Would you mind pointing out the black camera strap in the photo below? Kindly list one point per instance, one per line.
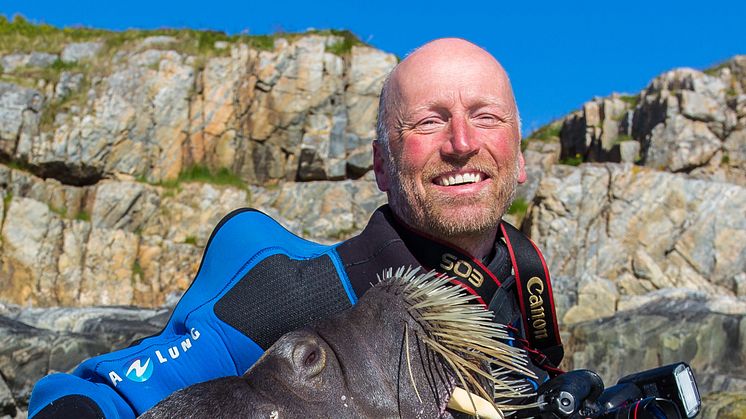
(532, 282)
(444, 258)
(534, 295)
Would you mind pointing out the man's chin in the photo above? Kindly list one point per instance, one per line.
(461, 220)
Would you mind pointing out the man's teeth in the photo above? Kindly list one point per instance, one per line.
(460, 179)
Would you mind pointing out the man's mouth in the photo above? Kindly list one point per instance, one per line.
(455, 179)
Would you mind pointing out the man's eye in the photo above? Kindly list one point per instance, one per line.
(487, 119)
(429, 123)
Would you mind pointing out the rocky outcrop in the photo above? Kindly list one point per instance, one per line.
(149, 111)
(38, 342)
(614, 232)
(667, 326)
(684, 121)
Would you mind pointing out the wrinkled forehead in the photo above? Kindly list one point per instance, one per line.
(451, 73)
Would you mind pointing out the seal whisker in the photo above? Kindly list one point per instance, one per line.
(409, 362)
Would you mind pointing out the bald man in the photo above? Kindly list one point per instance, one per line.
(448, 157)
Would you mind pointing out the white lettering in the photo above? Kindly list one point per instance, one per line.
(161, 359)
(173, 352)
(461, 272)
(195, 334)
(186, 344)
(115, 378)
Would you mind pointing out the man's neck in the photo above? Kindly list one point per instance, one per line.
(479, 246)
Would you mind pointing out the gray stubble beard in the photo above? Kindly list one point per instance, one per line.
(422, 215)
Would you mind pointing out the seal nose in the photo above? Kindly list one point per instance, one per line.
(309, 357)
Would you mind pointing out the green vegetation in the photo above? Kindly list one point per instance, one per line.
(20, 35)
(62, 212)
(62, 105)
(547, 132)
(191, 240)
(518, 207)
(344, 46)
(622, 138)
(725, 159)
(715, 71)
(18, 165)
(203, 174)
(6, 201)
(631, 100)
(82, 215)
(137, 269)
(222, 176)
(572, 160)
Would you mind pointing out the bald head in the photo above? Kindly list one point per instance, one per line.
(453, 61)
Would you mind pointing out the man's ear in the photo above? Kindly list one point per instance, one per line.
(522, 176)
(380, 166)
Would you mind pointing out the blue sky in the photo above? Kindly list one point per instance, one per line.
(558, 54)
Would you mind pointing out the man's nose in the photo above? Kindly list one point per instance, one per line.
(461, 142)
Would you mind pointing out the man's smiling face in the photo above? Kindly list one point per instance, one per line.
(454, 143)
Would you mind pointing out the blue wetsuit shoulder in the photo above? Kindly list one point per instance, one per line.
(196, 344)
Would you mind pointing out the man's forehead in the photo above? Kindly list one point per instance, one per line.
(451, 67)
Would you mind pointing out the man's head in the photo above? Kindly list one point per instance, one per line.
(448, 149)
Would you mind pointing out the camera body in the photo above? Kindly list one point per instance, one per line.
(665, 392)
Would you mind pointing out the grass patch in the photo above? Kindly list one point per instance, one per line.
(21, 35)
(622, 138)
(547, 132)
(55, 107)
(572, 160)
(137, 269)
(62, 212)
(82, 215)
(519, 206)
(200, 173)
(191, 240)
(715, 71)
(343, 46)
(18, 165)
(631, 100)
(6, 201)
(725, 159)
(222, 176)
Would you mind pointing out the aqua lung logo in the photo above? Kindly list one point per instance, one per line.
(140, 369)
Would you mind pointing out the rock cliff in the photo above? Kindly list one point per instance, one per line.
(121, 151)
